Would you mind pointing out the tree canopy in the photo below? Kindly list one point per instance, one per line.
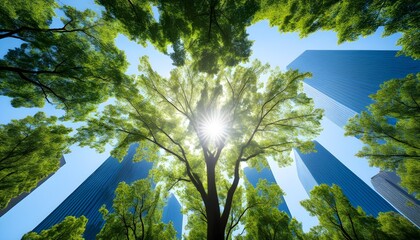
(73, 64)
(397, 227)
(193, 27)
(70, 228)
(196, 28)
(349, 18)
(338, 219)
(390, 129)
(337, 216)
(263, 219)
(137, 214)
(171, 114)
(30, 150)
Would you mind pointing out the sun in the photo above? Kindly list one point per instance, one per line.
(213, 128)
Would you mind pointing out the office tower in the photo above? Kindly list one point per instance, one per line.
(253, 176)
(388, 185)
(98, 189)
(342, 81)
(19, 198)
(341, 84)
(172, 213)
(322, 167)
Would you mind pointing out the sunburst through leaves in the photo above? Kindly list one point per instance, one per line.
(213, 128)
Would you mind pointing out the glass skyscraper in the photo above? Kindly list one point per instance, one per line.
(343, 80)
(322, 167)
(172, 213)
(388, 185)
(99, 188)
(341, 84)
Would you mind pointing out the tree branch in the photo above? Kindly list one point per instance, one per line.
(193, 177)
(12, 32)
(177, 181)
(43, 88)
(232, 226)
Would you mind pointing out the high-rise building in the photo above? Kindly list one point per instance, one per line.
(19, 198)
(342, 81)
(322, 167)
(172, 213)
(341, 84)
(388, 185)
(98, 189)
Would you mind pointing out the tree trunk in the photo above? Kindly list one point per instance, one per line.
(215, 230)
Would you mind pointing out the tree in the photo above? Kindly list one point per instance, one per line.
(340, 220)
(178, 115)
(318, 233)
(70, 228)
(137, 214)
(390, 129)
(196, 27)
(193, 207)
(264, 220)
(255, 210)
(30, 150)
(336, 214)
(73, 66)
(397, 227)
(349, 18)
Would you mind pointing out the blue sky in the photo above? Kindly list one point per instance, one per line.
(269, 47)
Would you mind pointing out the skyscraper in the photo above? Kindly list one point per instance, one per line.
(322, 167)
(341, 84)
(19, 198)
(388, 185)
(98, 189)
(343, 80)
(172, 213)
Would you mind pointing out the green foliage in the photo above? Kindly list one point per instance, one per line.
(193, 207)
(194, 27)
(137, 214)
(254, 209)
(74, 66)
(30, 150)
(391, 129)
(168, 114)
(137, 19)
(340, 220)
(22, 13)
(336, 215)
(349, 18)
(397, 227)
(71, 228)
(263, 219)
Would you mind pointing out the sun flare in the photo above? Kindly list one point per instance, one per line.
(213, 128)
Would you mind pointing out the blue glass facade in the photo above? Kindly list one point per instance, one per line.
(343, 80)
(341, 84)
(388, 185)
(98, 189)
(322, 167)
(172, 213)
(253, 176)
